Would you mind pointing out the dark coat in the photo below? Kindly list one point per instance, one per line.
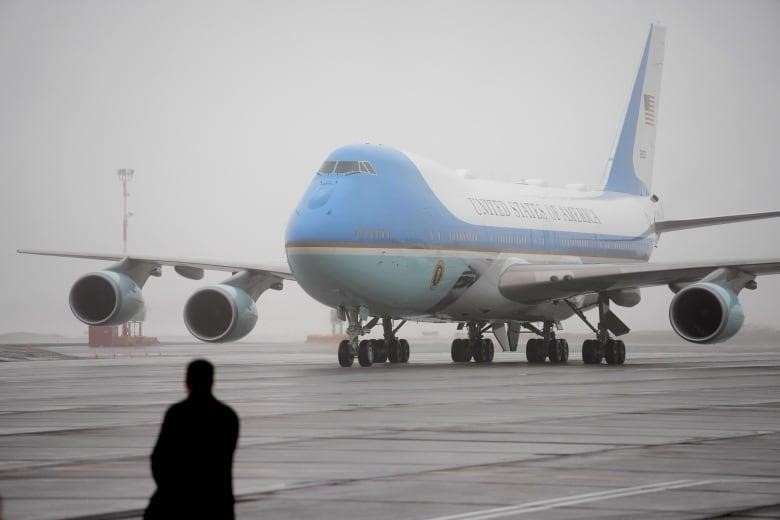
(192, 462)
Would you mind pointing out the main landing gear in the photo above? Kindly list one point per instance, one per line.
(370, 351)
(603, 347)
(546, 347)
(475, 347)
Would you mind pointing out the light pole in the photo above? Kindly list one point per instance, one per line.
(125, 175)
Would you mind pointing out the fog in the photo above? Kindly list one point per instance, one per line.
(225, 110)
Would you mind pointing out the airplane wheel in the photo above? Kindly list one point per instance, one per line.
(564, 350)
(393, 351)
(615, 353)
(591, 352)
(345, 354)
(490, 350)
(621, 349)
(404, 351)
(462, 350)
(477, 350)
(380, 352)
(458, 352)
(366, 353)
(554, 349)
(468, 350)
(535, 350)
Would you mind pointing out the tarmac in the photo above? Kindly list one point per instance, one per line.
(680, 431)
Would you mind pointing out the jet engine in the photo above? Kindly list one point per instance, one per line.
(220, 313)
(105, 298)
(705, 312)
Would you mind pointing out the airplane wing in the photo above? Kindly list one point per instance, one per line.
(188, 268)
(664, 226)
(526, 283)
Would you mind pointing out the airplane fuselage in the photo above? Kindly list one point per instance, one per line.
(402, 236)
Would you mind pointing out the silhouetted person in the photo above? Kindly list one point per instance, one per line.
(192, 462)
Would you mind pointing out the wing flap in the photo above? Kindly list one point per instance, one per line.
(525, 283)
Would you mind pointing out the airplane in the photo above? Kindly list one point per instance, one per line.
(385, 236)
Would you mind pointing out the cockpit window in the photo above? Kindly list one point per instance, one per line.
(327, 167)
(365, 167)
(346, 168)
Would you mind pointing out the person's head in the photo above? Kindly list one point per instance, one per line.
(200, 377)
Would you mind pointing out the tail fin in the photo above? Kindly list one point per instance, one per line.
(630, 169)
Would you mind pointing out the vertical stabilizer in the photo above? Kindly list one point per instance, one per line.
(630, 169)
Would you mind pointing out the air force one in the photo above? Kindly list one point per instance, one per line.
(385, 236)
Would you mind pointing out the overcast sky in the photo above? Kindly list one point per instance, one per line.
(225, 110)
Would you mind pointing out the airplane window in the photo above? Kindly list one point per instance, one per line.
(368, 167)
(347, 167)
(327, 167)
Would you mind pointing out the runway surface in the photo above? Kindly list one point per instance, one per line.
(680, 431)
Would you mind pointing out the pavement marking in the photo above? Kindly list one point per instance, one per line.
(541, 505)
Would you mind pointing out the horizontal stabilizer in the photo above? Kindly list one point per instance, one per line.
(676, 225)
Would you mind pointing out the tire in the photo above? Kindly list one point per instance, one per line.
(380, 352)
(468, 350)
(366, 353)
(615, 353)
(591, 352)
(345, 354)
(394, 351)
(477, 350)
(535, 351)
(491, 351)
(458, 351)
(541, 350)
(404, 350)
(554, 350)
(621, 348)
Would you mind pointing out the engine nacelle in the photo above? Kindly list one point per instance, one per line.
(220, 313)
(105, 298)
(706, 313)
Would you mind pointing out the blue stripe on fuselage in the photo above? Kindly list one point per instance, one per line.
(396, 209)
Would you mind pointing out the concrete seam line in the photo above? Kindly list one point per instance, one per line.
(530, 507)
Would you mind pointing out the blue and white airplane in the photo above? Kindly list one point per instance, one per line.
(385, 236)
